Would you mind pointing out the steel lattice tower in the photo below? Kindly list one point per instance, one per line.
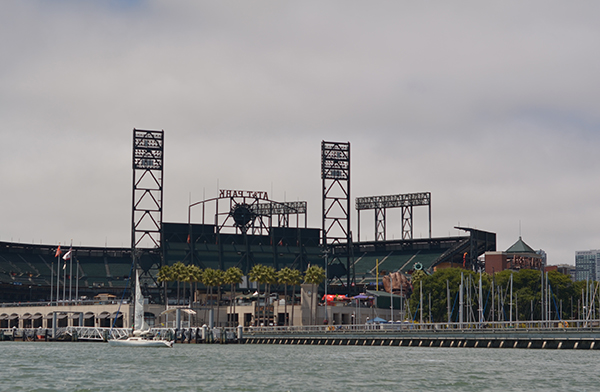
(147, 200)
(381, 203)
(335, 174)
(147, 188)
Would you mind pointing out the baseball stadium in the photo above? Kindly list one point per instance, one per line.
(238, 228)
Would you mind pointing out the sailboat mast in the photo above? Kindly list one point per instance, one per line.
(448, 299)
(70, 271)
(460, 300)
(57, 279)
(480, 299)
(511, 299)
(77, 281)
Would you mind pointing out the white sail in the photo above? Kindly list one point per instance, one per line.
(138, 310)
(141, 331)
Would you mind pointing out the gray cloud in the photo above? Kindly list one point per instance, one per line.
(490, 106)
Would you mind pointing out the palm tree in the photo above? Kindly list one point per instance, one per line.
(233, 276)
(314, 275)
(219, 278)
(284, 277)
(257, 274)
(195, 276)
(186, 277)
(209, 280)
(270, 279)
(191, 276)
(295, 279)
(179, 272)
(165, 275)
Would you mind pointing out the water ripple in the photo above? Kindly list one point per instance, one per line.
(246, 368)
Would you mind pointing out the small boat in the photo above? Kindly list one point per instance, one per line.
(140, 341)
(142, 337)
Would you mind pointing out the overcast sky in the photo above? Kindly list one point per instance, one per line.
(490, 106)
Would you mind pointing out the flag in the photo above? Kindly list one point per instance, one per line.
(65, 265)
(188, 240)
(67, 255)
(58, 252)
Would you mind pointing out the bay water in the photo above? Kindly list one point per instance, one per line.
(65, 366)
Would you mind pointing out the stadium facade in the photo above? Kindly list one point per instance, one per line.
(239, 228)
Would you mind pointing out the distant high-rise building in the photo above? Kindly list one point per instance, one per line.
(543, 255)
(587, 264)
(567, 269)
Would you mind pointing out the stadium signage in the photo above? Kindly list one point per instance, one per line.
(236, 193)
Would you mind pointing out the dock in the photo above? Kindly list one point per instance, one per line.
(476, 338)
(531, 335)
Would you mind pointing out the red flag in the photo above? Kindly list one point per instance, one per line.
(464, 259)
(67, 255)
(58, 252)
(188, 239)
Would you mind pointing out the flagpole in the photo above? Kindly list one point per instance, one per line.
(70, 271)
(57, 255)
(64, 280)
(57, 279)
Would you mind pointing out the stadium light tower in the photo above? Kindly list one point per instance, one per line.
(335, 174)
(146, 219)
(381, 203)
(147, 249)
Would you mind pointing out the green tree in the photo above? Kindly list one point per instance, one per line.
(179, 271)
(186, 277)
(579, 290)
(233, 276)
(435, 286)
(417, 276)
(219, 279)
(296, 279)
(284, 277)
(194, 277)
(210, 279)
(314, 276)
(270, 278)
(527, 293)
(526, 299)
(165, 275)
(258, 274)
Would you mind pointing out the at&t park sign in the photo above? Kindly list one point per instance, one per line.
(236, 193)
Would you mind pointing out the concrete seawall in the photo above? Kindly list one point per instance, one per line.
(499, 338)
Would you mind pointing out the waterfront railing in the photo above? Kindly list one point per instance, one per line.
(60, 303)
(577, 329)
(411, 326)
(100, 333)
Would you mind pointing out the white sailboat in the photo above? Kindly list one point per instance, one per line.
(142, 336)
